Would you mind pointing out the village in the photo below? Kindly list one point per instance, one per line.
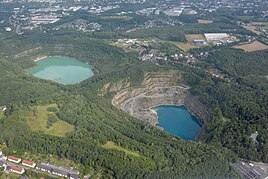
(147, 52)
(19, 166)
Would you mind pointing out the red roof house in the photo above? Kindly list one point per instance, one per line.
(13, 159)
(17, 169)
(28, 163)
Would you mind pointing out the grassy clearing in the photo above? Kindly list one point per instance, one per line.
(245, 18)
(127, 18)
(10, 176)
(186, 46)
(191, 37)
(37, 120)
(252, 47)
(111, 145)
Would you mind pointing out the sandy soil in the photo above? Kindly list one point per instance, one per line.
(203, 21)
(255, 46)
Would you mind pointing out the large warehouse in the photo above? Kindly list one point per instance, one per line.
(216, 36)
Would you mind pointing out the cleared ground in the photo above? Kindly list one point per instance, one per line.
(252, 29)
(191, 37)
(203, 21)
(37, 120)
(116, 18)
(111, 145)
(255, 46)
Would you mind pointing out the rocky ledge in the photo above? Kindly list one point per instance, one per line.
(161, 88)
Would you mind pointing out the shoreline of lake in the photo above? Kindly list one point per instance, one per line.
(194, 121)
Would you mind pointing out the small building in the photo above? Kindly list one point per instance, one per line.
(254, 136)
(3, 108)
(1, 153)
(73, 176)
(28, 163)
(44, 168)
(17, 169)
(2, 163)
(216, 36)
(249, 171)
(13, 159)
(200, 42)
(60, 172)
(8, 29)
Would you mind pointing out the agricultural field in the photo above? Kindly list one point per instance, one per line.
(38, 120)
(111, 145)
(255, 46)
(191, 37)
(203, 21)
(250, 28)
(186, 46)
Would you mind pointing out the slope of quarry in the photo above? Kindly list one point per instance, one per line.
(157, 88)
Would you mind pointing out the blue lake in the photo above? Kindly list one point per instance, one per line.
(62, 70)
(178, 121)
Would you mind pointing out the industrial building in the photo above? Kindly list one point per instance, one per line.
(216, 36)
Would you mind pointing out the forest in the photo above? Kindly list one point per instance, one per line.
(239, 106)
(96, 121)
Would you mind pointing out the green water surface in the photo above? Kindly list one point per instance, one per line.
(62, 70)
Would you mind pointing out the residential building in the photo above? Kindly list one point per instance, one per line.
(13, 159)
(44, 168)
(28, 163)
(60, 173)
(73, 176)
(2, 163)
(17, 169)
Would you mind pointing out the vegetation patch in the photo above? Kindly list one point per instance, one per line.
(252, 47)
(1, 114)
(44, 118)
(111, 145)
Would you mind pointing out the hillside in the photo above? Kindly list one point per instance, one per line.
(96, 122)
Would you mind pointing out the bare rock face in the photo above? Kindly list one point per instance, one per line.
(161, 88)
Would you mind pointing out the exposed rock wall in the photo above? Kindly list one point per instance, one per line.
(156, 89)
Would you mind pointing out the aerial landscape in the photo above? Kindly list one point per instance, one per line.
(133, 89)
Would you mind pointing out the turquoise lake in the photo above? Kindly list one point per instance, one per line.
(178, 121)
(62, 70)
